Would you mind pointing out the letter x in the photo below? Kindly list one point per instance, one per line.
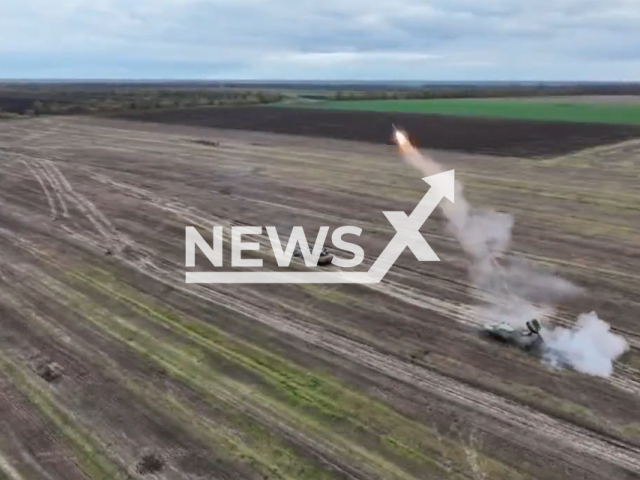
(408, 235)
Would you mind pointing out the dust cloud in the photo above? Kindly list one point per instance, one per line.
(515, 290)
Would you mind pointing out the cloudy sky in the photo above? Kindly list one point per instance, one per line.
(321, 39)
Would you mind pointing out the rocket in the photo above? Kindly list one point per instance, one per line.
(401, 140)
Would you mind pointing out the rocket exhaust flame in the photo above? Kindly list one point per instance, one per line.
(514, 290)
(401, 138)
(404, 145)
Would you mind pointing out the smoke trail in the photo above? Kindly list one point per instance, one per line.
(484, 236)
(515, 290)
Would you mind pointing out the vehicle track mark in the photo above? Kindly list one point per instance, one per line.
(52, 205)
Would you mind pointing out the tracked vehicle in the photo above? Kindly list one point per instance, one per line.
(324, 259)
(527, 339)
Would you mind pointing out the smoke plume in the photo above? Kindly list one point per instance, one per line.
(589, 347)
(515, 290)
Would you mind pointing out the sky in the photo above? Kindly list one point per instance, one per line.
(437, 40)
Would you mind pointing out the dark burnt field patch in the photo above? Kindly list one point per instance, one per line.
(527, 139)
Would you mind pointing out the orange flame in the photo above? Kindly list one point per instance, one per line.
(403, 142)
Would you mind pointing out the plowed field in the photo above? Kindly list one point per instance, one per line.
(504, 137)
(389, 381)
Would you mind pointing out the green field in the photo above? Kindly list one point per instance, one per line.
(566, 111)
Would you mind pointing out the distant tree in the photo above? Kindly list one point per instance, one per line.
(252, 98)
(202, 100)
(166, 103)
(262, 97)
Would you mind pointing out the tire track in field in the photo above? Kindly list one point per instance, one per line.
(266, 412)
(572, 436)
(52, 205)
(28, 458)
(62, 188)
(101, 223)
(465, 314)
(623, 378)
(60, 338)
(53, 181)
(440, 307)
(88, 209)
(519, 416)
(47, 131)
(526, 419)
(8, 469)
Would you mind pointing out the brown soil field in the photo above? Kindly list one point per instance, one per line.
(150, 377)
(503, 137)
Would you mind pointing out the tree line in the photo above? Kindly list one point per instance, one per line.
(64, 102)
(542, 90)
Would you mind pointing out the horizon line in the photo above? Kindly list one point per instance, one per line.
(294, 81)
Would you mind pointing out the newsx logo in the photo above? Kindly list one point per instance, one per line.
(283, 255)
(407, 236)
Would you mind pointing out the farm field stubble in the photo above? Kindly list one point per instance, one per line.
(284, 381)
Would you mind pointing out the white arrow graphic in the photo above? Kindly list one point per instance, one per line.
(408, 228)
(407, 236)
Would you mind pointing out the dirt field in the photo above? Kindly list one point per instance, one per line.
(529, 139)
(113, 367)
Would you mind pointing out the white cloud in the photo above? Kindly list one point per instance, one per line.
(341, 58)
(492, 39)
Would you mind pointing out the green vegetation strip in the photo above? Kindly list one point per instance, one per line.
(296, 402)
(538, 398)
(317, 404)
(87, 450)
(224, 440)
(378, 421)
(238, 437)
(513, 109)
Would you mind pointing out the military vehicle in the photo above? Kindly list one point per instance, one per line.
(324, 259)
(528, 339)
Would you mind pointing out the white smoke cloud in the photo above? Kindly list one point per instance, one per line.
(590, 347)
(516, 291)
